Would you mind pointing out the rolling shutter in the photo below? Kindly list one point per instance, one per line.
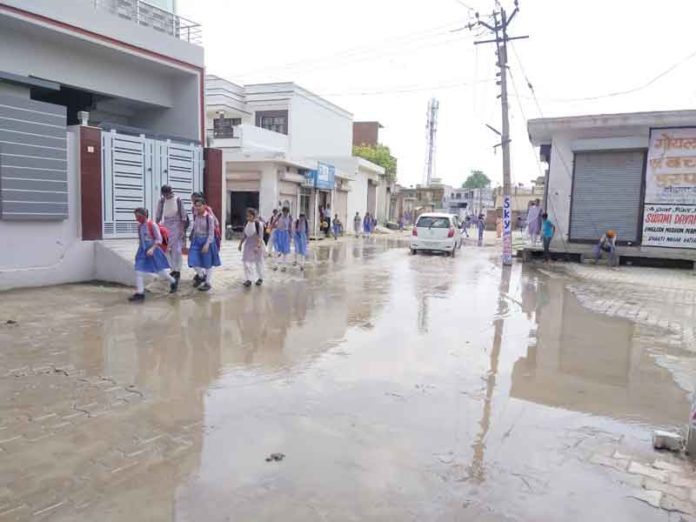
(33, 160)
(606, 194)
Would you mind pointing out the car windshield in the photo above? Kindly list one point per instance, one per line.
(433, 222)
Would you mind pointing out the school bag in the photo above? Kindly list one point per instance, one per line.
(163, 232)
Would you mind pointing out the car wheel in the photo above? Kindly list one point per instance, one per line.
(413, 251)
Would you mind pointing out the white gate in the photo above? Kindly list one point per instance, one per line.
(134, 168)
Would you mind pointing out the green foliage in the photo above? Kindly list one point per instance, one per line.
(380, 155)
(477, 179)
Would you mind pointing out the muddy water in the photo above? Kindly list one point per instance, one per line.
(395, 388)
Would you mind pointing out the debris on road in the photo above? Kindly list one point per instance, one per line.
(667, 440)
(275, 457)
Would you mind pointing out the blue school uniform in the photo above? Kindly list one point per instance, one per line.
(203, 232)
(281, 236)
(301, 230)
(158, 260)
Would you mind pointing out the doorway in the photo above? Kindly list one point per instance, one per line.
(238, 203)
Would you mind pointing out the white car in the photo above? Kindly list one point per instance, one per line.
(436, 232)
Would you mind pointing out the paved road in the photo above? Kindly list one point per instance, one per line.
(389, 387)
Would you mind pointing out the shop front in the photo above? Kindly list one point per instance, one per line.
(321, 182)
(634, 174)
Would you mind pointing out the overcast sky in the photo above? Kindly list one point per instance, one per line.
(383, 59)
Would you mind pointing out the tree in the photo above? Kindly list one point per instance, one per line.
(380, 155)
(477, 179)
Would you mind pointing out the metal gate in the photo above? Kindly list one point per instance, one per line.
(606, 194)
(134, 168)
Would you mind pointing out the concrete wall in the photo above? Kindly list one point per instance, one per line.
(50, 252)
(357, 197)
(81, 13)
(318, 130)
(163, 96)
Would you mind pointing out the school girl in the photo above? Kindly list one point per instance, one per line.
(203, 254)
(281, 236)
(150, 258)
(301, 233)
(253, 248)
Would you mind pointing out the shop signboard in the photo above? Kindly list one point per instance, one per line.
(669, 214)
(323, 178)
(507, 230)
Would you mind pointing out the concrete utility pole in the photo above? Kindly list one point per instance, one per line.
(498, 28)
(430, 134)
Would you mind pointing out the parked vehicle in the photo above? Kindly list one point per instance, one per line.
(436, 232)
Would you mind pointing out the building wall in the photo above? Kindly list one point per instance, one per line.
(316, 130)
(81, 13)
(48, 252)
(365, 133)
(357, 197)
(155, 94)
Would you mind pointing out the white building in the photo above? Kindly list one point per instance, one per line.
(463, 201)
(132, 74)
(632, 173)
(275, 138)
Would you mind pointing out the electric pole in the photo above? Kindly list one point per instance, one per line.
(499, 28)
(430, 140)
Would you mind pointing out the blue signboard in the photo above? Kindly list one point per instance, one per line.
(324, 178)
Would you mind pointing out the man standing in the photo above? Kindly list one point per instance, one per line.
(357, 222)
(533, 224)
(172, 215)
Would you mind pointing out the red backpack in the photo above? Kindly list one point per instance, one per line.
(163, 232)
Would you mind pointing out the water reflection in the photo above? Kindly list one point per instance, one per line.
(592, 363)
(476, 470)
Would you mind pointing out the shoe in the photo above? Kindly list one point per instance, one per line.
(176, 275)
(204, 287)
(137, 298)
(247, 283)
(275, 268)
(197, 280)
(283, 269)
(301, 269)
(259, 282)
(173, 287)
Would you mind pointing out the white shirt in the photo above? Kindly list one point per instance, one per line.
(170, 209)
(250, 229)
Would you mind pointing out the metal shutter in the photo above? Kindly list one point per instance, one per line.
(606, 194)
(33, 160)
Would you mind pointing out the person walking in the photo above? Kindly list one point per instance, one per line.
(203, 255)
(367, 225)
(150, 258)
(281, 235)
(253, 248)
(481, 225)
(327, 219)
(172, 215)
(301, 233)
(270, 228)
(357, 222)
(336, 227)
(533, 221)
(548, 229)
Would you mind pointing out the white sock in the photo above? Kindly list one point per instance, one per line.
(140, 283)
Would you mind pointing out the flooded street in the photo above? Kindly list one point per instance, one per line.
(390, 386)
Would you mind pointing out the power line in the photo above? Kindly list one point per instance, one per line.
(632, 90)
(408, 89)
(399, 44)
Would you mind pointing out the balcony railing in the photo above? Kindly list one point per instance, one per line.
(152, 16)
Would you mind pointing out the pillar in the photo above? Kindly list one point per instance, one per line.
(90, 183)
(212, 181)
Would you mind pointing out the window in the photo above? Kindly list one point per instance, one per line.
(276, 121)
(433, 222)
(224, 127)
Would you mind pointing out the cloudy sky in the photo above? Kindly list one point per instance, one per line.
(384, 59)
